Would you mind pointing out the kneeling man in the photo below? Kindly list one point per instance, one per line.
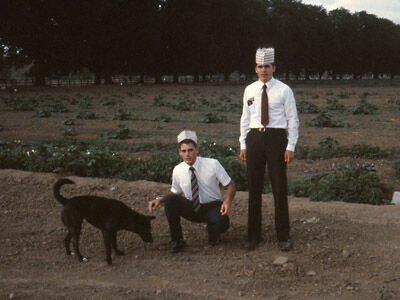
(197, 178)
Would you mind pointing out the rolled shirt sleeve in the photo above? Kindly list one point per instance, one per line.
(175, 187)
(222, 175)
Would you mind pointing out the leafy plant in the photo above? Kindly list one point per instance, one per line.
(123, 132)
(364, 108)
(163, 118)
(324, 120)
(111, 102)
(329, 148)
(57, 106)
(68, 121)
(213, 149)
(329, 93)
(306, 107)
(334, 104)
(225, 99)
(184, 105)
(122, 115)
(157, 101)
(21, 103)
(352, 183)
(68, 131)
(212, 117)
(230, 107)
(42, 113)
(344, 94)
(87, 115)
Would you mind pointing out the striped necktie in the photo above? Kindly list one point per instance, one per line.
(195, 191)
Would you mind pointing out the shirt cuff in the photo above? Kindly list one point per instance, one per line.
(291, 147)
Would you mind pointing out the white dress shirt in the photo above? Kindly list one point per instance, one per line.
(282, 110)
(209, 173)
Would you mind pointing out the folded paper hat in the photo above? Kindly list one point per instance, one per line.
(187, 135)
(265, 56)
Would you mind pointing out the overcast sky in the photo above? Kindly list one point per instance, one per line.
(388, 9)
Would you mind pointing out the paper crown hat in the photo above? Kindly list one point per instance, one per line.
(187, 135)
(265, 56)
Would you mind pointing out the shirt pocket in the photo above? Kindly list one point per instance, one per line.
(275, 104)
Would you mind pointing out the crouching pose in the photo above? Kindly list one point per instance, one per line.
(198, 179)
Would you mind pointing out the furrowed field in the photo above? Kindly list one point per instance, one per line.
(125, 138)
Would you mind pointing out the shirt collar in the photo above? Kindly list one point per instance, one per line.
(269, 83)
(195, 165)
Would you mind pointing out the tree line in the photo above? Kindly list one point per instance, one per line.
(198, 37)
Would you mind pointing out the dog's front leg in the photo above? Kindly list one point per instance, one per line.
(107, 244)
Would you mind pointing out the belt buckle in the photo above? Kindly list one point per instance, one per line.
(263, 129)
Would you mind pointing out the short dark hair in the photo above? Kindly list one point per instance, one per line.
(272, 64)
(187, 141)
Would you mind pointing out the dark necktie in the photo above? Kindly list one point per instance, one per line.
(195, 191)
(264, 107)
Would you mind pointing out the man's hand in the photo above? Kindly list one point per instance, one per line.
(289, 156)
(242, 154)
(154, 204)
(226, 207)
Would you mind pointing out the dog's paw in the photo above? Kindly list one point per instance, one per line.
(85, 259)
(72, 253)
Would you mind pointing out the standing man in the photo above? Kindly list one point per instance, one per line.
(268, 135)
(198, 179)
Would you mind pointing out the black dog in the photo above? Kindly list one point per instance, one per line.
(106, 214)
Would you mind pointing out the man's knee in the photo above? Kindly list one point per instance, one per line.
(171, 203)
(220, 224)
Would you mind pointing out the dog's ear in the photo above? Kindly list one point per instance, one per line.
(151, 217)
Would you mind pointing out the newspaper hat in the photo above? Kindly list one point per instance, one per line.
(265, 56)
(187, 135)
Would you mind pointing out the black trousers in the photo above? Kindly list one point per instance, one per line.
(267, 148)
(177, 206)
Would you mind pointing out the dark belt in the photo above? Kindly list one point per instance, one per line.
(265, 129)
(212, 203)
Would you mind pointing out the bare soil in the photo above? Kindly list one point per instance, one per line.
(342, 251)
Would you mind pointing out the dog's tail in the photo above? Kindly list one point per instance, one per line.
(57, 187)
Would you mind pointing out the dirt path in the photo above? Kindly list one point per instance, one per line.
(342, 251)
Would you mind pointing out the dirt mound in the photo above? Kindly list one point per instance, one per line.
(342, 251)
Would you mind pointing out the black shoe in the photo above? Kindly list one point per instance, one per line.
(286, 245)
(177, 246)
(251, 245)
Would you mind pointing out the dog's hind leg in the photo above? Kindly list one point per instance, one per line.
(107, 236)
(114, 244)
